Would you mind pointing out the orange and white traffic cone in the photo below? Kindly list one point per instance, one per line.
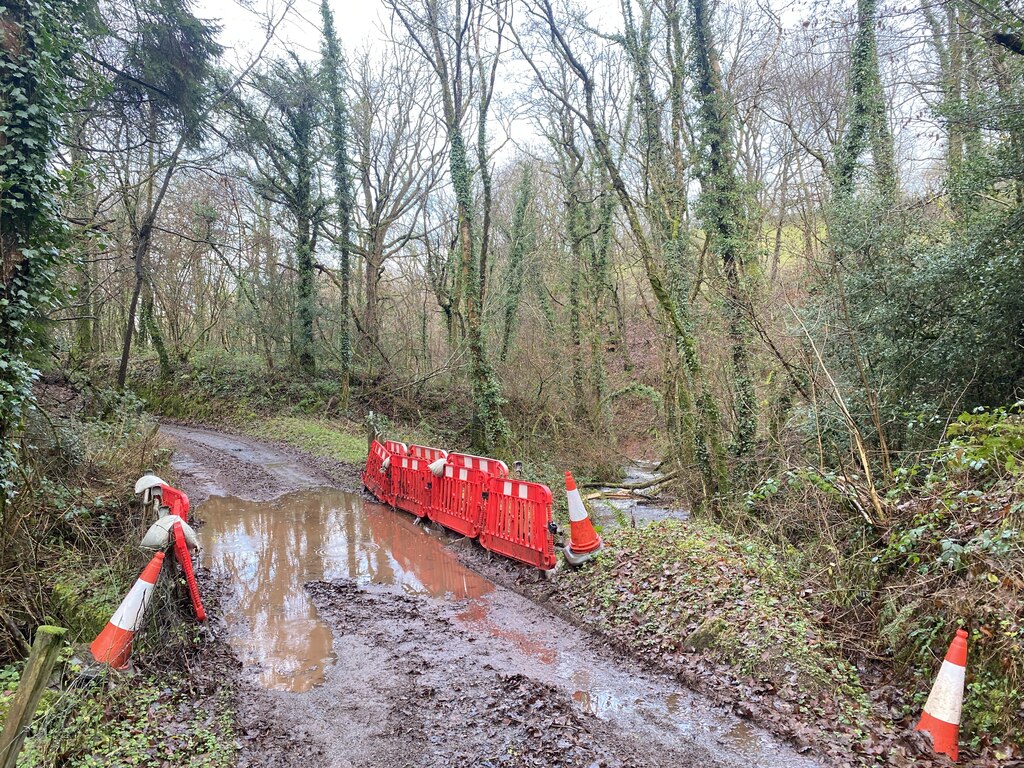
(941, 716)
(113, 645)
(584, 541)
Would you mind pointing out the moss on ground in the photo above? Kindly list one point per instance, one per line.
(84, 597)
(674, 587)
(333, 439)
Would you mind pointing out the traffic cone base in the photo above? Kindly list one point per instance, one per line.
(583, 539)
(941, 716)
(113, 645)
(579, 558)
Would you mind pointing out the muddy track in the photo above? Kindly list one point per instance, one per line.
(493, 681)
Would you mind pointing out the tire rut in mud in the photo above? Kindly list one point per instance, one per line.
(454, 710)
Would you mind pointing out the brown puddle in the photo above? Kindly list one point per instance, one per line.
(268, 550)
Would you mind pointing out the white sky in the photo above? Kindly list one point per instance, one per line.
(359, 22)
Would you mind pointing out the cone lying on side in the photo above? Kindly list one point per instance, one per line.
(113, 645)
(941, 716)
(584, 541)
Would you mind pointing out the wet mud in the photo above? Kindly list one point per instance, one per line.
(363, 641)
(268, 551)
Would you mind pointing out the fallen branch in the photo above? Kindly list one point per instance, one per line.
(16, 635)
(619, 496)
(638, 486)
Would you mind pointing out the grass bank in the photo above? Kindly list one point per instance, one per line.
(70, 552)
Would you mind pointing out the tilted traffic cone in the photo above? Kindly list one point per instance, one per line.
(184, 558)
(584, 541)
(113, 645)
(941, 716)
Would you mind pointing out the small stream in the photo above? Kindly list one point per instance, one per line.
(632, 510)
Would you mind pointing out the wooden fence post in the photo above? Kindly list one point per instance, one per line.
(34, 678)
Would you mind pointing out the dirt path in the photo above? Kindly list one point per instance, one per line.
(417, 680)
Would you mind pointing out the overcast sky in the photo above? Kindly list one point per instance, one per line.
(359, 22)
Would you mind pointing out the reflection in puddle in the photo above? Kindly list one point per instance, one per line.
(593, 698)
(530, 646)
(268, 550)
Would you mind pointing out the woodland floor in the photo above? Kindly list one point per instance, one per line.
(498, 681)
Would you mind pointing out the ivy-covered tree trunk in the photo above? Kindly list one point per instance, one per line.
(35, 47)
(867, 125)
(489, 427)
(150, 325)
(335, 70)
(693, 415)
(521, 237)
(724, 215)
(443, 38)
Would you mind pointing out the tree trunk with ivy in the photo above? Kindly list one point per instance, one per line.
(724, 215)
(35, 47)
(445, 44)
(521, 236)
(335, 70)
(153, 329)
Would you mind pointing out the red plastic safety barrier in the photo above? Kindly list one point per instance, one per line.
(184, 558)
(411, 484)
(517, 521)
(457, 501)
(490, 467)
(430, 455)
(176, 500)
(396, 448)
(376, 482)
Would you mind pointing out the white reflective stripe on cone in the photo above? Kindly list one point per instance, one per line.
(946, 698)
(129, 614)
(577, 511)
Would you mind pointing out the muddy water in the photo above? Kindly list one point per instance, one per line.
(268, 550)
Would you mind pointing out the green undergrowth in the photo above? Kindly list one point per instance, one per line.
(950, 556)
(74, 553)
(70, 560)
(236, 389)
(677, 587)
(320, 437)
(131, 721)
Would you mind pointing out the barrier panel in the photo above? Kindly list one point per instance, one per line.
(396, 448)
(376, 482)
(516, 524)
(490, 467)
(411, 484)
(175, 500)
(430, 455)
(457, 501)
